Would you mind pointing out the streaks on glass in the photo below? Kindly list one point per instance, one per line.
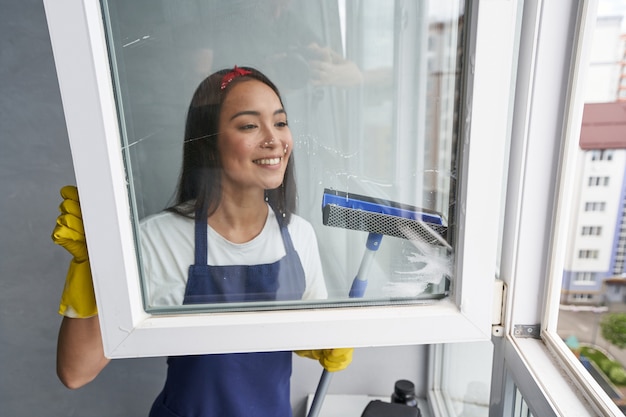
(423, 267)
(136, 41)
(138, 141)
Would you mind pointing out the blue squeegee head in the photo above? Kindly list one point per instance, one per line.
(356, 212)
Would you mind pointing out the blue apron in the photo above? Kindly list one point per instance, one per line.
(239, 384)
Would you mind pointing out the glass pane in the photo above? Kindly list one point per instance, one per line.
(372, 92)
(466, 378)
(592, 318)
(520, 407)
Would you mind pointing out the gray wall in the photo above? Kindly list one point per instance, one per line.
(35, 162)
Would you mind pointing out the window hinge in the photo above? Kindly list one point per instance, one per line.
(527, 330)
(499, 299)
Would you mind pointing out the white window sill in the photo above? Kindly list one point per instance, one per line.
(556, 390)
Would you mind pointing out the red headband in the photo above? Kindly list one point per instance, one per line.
(229, 76)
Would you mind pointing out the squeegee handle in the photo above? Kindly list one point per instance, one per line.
(357, 291)
(359, 285)
(320, 394)
(358, 288)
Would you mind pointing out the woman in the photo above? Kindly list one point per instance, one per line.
(231, 236)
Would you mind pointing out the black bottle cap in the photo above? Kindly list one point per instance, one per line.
(404, 387)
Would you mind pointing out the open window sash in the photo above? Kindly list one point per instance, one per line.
(84, 73)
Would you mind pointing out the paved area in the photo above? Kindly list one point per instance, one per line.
(585, 325)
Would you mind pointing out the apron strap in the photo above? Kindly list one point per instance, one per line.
(289, 248)
(200, 256)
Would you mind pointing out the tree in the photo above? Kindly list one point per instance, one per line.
(613, 328)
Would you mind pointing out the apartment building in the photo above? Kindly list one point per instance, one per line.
(594, 265)
(595, 271)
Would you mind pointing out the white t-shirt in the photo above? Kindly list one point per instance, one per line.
(167, 251)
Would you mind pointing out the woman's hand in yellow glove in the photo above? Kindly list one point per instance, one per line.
(331, 359)
(69, 231)
(78, 299)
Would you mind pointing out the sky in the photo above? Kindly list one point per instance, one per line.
(611, 7)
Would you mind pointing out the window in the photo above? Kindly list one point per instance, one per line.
(598, 181)
(582, 297)
(587, 254)
(341, 163)
(585, 278)
(537, 258)
(465, 384)
(126, 80)
(602, 155)
(592, 230)
(595, 206)
(596, 155)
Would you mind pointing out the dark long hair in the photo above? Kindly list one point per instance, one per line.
(199, 188)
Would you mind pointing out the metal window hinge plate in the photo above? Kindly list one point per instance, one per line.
(527, 330)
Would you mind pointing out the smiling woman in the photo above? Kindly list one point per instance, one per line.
(237, 176)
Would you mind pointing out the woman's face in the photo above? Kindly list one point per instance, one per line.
(254, 139)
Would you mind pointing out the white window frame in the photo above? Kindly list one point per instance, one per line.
(82, 63)
(546, 128)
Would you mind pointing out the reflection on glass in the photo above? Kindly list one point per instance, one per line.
(466, 378)
(520, 406)
(592, 318)
(372, 91)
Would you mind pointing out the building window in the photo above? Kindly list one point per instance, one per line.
(602, 155)
(592, 230)
(587, 254)
(595, 206)
(584, 278)
(582, 297)
(598, 181)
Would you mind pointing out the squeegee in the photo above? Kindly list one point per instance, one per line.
(378, 217)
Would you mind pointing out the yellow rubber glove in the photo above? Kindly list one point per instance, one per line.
(331, 359)
(78, 299)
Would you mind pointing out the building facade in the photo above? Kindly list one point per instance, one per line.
(594, 271)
